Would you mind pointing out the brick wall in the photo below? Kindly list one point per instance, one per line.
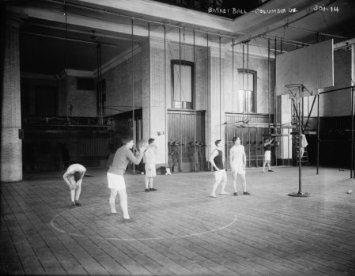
(81, 103)
(119, 93)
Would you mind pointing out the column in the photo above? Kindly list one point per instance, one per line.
(11, 145)
(154, 97)
(215, 111)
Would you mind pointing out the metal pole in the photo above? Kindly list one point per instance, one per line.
(220, 87)
(132, 80)
(165, 105)
(318, 134)
(268, 84)
(288, 146)
(180, 116)
(249, 147)
(275, 103)
(299, 148)
(300, 112)
(352, 135)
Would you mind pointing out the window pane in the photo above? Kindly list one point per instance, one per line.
(246, 81)
(246, 92)
(240, 101)
(249, 101)
(177, 104)
(249, 82)
(182, 79)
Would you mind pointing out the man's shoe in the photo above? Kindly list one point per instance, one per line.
(153, 189)
(246, 193)
(235, 194)
(213, 196)
(73, 205)
(127, 220)
(77, 203)
(147, 190)
(270, 171)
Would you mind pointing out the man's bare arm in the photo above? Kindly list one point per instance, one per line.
(213, 155)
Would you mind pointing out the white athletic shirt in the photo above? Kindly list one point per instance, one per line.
(75, 168)
(149, 156)
(236, 156)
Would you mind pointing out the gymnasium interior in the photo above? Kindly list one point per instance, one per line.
(78, 76)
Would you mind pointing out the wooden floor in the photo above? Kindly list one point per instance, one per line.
(179, 230)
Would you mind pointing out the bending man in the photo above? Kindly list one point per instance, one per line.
(74, 177)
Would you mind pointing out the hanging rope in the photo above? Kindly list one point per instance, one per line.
(180, 121)
(165, 105)
(66, 48)
(268, 84)
(220, 88)
(275, 100)
(247, 75)
(275, 96)
(132, 79)
(233, 100)
(208, 83)
(248, 89)
(194, 100)
(233, 96)
(150, 98)
(99, 84)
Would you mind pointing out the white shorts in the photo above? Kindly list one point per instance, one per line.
(74, 185)
(116, 181)
(220, 175)
(150, 170)
(238, 169)
(267, 155)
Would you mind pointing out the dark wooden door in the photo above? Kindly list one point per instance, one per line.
(186, 140)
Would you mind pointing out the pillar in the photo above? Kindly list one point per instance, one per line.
(215, 127)
(11, 145)
(154, 98)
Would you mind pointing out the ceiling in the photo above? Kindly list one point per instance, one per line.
(48, 49)
(213, 6)
(52, 40)
(336, 22)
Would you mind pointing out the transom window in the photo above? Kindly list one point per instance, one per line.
(182, 84)
(246, 98)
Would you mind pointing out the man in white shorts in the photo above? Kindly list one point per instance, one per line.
(267, 154)
(216, 160)
(74, 177)
(116, 182)
(149, 158)
(238, 163)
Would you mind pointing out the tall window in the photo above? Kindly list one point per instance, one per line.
(182, 84)
(246, 99)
